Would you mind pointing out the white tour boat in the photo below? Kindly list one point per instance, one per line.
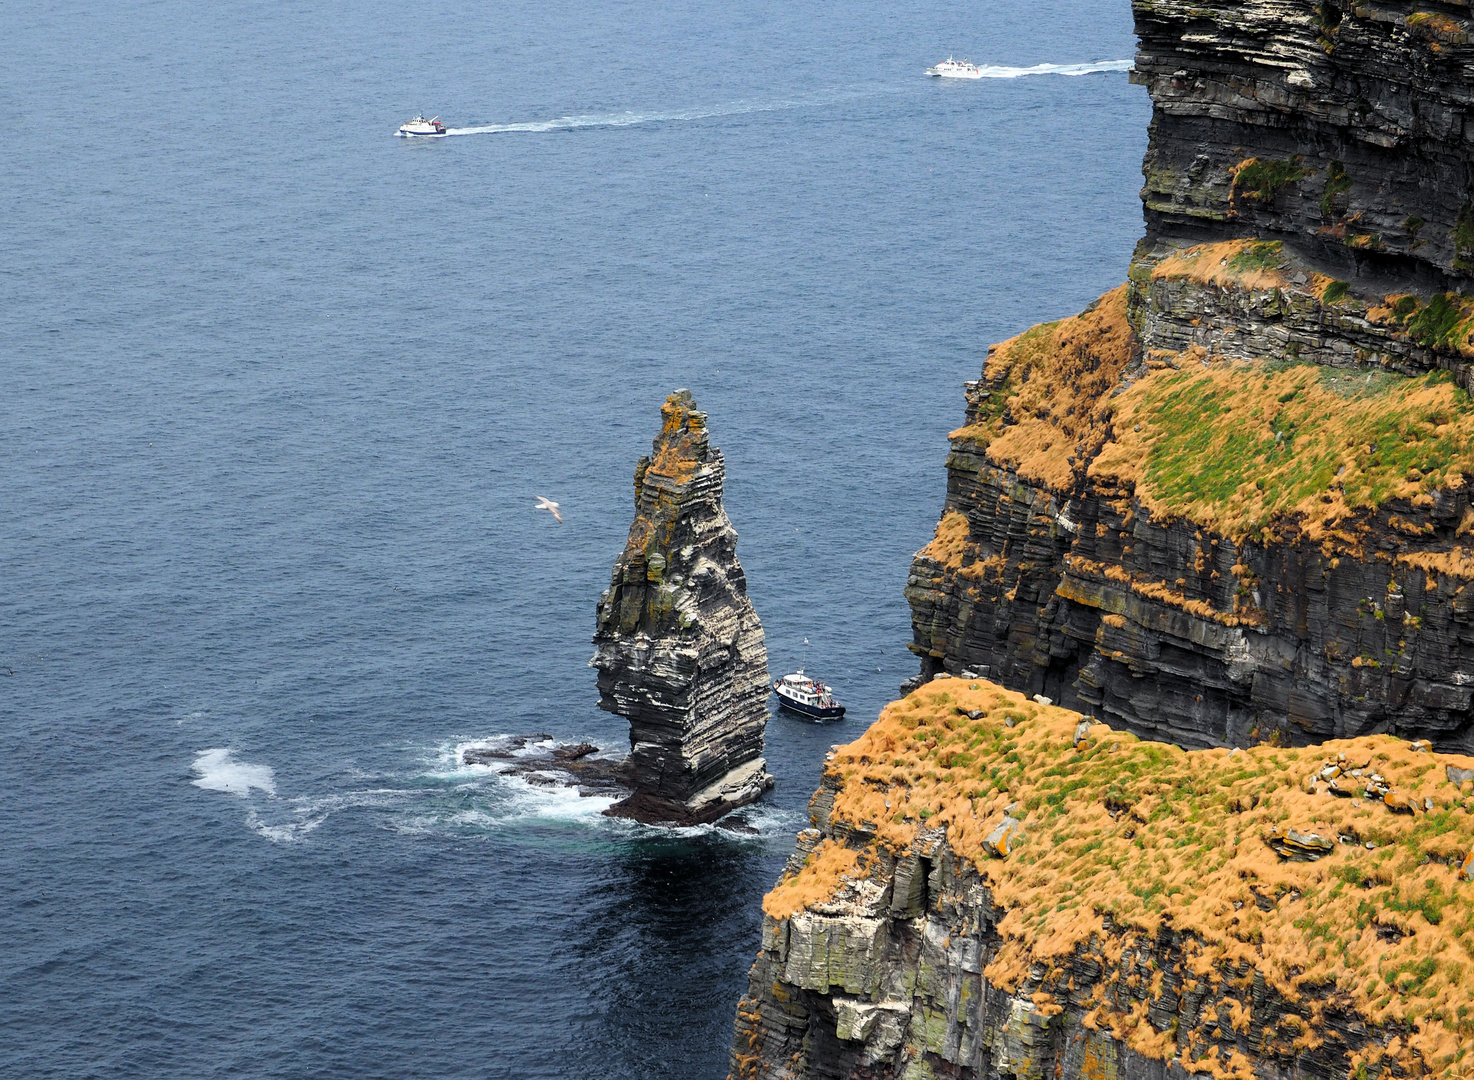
(955, 69)
(422, 128)
(808, 696)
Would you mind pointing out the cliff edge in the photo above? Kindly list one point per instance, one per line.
(1179, 790)
(997, 888)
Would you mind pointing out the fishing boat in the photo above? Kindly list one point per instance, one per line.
(807, 696)
(955, 69)
(419, 127)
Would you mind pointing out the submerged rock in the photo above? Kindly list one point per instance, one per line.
(680, 648)
(542, 761)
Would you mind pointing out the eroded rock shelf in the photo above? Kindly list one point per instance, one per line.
(1156, 912)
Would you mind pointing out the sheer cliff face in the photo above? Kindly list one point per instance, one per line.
(679, 648)
(1230, 503)
(1346, 127)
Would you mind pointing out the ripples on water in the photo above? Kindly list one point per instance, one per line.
(280, 391)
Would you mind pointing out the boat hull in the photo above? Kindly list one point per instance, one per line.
(813, 712)
(422, 134)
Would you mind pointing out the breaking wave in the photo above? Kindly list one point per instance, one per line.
(441, 795)
(219, 771)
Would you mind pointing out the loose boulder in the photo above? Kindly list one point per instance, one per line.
(1295, 846)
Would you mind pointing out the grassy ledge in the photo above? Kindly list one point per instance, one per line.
(1234, 446)
(1243, 264)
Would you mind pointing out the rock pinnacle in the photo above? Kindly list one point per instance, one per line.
(680, 650)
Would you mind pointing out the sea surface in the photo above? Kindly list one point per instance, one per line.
(278, 392)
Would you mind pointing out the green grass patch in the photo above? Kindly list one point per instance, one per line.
(1260, 180)
(1259, 255)
(1435, 324)
(1237, 452)
(1463, 237)
(1332, 204)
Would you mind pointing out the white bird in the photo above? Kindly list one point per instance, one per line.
(544, 503)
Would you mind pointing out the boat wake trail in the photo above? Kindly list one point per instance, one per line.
(740, 108)
(993, 71)
(628, 119)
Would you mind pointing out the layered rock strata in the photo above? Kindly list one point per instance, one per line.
(1135, 525)
(994, 888)
(1344, 128)
(680, 650)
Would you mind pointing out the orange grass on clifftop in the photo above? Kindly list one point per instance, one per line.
(951, 542)
(1146, 832)
(1055, 382)
(829, 864)
(1244, 264)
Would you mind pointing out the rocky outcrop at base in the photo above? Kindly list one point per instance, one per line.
(680, 649)
(542, 761)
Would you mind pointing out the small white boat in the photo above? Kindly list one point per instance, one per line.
(421, 128)
(808, 696)
(955, 69)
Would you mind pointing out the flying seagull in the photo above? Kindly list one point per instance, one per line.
(544, 503)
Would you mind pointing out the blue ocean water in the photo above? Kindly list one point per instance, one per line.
(278, 392)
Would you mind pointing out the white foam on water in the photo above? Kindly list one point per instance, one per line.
(993, 71)
(772, 821)
(283, 832)
(755, 823)
(283, 820)
(522, 800)
(555, 803)
(445, 795)
(220, 771)
(308, 812)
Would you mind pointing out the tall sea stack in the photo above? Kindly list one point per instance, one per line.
(680, 648)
